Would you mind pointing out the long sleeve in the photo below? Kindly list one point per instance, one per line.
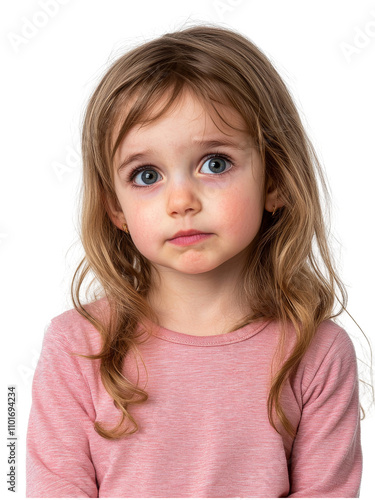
(58, 462)
(326, 457)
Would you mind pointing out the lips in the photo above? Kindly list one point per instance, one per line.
(191, 232)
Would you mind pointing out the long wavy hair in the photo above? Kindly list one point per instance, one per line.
(289, 275)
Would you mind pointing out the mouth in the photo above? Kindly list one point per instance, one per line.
(190, 239)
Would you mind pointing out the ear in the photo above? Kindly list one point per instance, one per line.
(272, 201)
(114, 211)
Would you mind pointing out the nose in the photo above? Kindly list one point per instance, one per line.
(183, 197)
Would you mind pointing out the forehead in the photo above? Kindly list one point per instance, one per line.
(189, 113)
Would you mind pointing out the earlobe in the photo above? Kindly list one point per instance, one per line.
(272, 201)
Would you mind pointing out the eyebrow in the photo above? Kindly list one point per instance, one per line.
(214, 143)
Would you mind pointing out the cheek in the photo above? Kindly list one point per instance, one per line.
(241, 213)
(144, 227)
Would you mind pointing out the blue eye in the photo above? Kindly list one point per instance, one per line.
(147, 175)
(216, 164)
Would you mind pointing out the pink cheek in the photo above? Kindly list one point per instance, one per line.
(144, 229)
(240, 215)
(232, 209)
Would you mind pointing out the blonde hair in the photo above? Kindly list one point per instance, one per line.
(282, 279)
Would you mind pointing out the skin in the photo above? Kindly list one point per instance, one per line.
(184, 193)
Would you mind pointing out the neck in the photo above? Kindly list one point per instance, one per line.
(198, 304)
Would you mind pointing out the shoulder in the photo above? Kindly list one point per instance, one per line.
(330, 340)
(73, 331)
(330, 354)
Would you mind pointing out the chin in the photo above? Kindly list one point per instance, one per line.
(198, 268)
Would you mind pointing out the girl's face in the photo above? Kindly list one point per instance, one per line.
(191, 178)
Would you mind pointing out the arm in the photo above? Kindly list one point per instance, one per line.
(58, 462)
(326, 458)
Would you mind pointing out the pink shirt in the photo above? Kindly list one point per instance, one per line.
(204, 431)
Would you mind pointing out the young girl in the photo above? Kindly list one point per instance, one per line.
(208, 363)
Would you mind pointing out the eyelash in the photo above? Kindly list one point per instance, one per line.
(142, 168)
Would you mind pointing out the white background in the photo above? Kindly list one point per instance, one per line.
(321, 50)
